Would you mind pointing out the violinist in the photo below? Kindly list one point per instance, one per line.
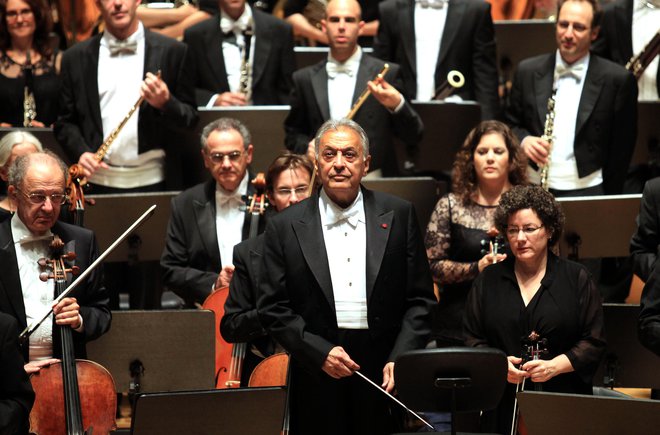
(36, 187)
(535, 291)
(208, 220)
(287, 182)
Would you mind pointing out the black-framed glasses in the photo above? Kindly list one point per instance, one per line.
(528, 230)
(40, 198)
(299, 191)
(233, 156)
(24, 13)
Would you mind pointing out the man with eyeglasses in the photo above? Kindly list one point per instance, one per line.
(595, 109)
(344, 286)
(287, 182)
(208, 220)
(37, 186)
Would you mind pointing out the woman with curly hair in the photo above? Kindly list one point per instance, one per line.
(26, 58)
(535, 291)
(488, 164)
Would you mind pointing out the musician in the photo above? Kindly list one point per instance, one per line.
(287, 182)
(595, 109)
(459, 31)
(345, 286)
(102, 78)
(208, 220)
(174, 21)
(27, 58)
(217, 46)
(488, 164)
(16, 394)
(626, 27)
(534, 290)
(13, 145)
(328, 90)
(36, 187)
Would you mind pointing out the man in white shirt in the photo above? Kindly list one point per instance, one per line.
(208, 220)
(595, 109)
(103, 78)
(344, 286)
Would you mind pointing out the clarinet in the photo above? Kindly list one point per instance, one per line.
(245, 84)
(29, 104)
(548, 137)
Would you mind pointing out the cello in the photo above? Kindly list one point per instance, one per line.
(73, 397)
(229, 356)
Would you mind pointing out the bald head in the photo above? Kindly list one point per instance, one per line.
(351, 5)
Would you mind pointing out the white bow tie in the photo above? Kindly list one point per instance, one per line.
(351, 216)
(224, 199)
(117, 47)
(333, 68)
(437, 4)
(575, 71)
(228, 25)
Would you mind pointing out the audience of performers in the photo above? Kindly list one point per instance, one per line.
(488, 164)
(533, 290)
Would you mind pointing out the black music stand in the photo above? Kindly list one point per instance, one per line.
(254, 411)
(456, 379)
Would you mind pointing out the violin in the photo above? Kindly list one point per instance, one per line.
(229, 357)
(533, 346)
(73, 397)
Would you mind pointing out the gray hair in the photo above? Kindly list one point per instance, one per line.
(13, 138)
(20, 166)
(225, 124)
(339, 124)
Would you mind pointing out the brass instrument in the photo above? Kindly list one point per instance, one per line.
(365, 94)
(638, 63)
(245, 83)
(29, 104)
(548, 137)
(455, 80)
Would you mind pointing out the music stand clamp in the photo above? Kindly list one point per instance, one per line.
(455, 379)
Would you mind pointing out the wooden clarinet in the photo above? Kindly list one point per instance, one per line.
(548, 137)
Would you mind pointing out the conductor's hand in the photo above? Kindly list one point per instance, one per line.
(224, 277)
(536, 149)
(338, 364)
(514, 375)
(67, 312)
(155, 91)
(388, 377)
(90, 164)
(231, 99)
(386, 94)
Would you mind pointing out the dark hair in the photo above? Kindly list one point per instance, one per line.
(464, 177)
(43, 25)
(598, 11)
(287, 160)
(226, 124)
(535, 198)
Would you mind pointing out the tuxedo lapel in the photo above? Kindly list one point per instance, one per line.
(310, 238)
(153, 54)
(593, 84)
(543, 82)
(261, 47)
(406, 12)
(452, 24)
(365, 73)
(90, 80)
(204, 215)
(10, 282)
(320, 87)
(379, 225)
(214, 56)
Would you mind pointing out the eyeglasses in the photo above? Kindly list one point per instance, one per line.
(528, 230)
(40, 198)
(13, 15)
(299, 191)
(233, 156)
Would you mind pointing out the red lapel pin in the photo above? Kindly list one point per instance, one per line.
(384, 226)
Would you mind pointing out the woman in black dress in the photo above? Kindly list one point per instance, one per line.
(535, 291)
(27, 59)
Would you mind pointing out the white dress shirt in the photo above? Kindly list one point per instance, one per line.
(345, 236)
(341, 85)
(429, 26)
(229, 219)
(645, 24)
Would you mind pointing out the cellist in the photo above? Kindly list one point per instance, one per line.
(287, 182)
(36, 187)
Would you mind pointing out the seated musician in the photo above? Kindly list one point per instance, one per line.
(330, 88)
(208, 220)
(287, 182)
(36, 187)
(536, 291)
(13, 145)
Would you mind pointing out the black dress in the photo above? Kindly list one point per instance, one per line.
(566, 310)
(46, 89)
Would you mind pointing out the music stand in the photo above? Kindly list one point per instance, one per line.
(573, 414)
(456, 379)
(254, 411)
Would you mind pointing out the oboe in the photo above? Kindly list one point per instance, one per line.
(548, 137)
(245, 83)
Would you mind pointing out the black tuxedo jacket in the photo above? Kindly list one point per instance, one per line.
(273, 59)
(310, 109)
(79, 127)
(606, 125)
(648, 326)
(16, 395)
(467, 45)
(645, 243)
(91, 295)
(191, 258)
(296, 302)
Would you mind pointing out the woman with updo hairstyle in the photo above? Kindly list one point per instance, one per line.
(489, 163)
(12, 145)
(25, 27)
(534, 291)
